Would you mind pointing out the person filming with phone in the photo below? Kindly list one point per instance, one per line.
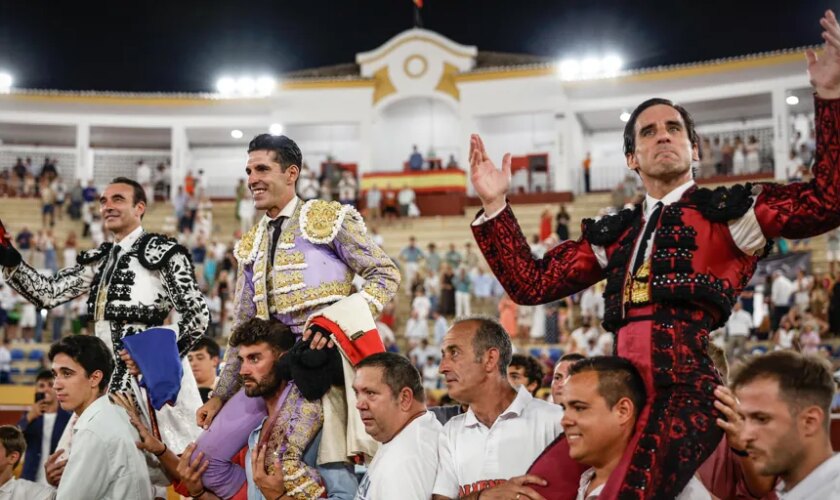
(42, 427)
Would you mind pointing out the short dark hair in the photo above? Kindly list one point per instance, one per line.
(287, 151)
(490, 334)
(572, 356)
(533, 368)
(13, 441)
(803, 380)
(630, 126)
(90, 352)
(139, 192)
(256, 330)
(206, 343)
(617, 378)
(397, 373)
(44, 375)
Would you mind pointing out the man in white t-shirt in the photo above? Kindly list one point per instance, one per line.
(491, 446)
(603, 396)
(391, 402)
(585, 336)
(785, 399)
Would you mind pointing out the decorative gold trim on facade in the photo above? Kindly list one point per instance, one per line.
(383, 87)
(413, 38)
(448, 83)
(417, 74)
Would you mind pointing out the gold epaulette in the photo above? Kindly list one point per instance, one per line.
(320, 220)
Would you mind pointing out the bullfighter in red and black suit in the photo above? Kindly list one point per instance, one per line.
(675, 264)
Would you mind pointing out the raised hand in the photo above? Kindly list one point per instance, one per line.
(825, 69)
(9, 256)
(190, 471)
(54, 467)
(270, 485)
(490, 183)
(733, 424)
(129, 363)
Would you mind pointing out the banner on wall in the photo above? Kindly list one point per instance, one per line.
(788, 263)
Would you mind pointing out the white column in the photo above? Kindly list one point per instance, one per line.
(180, 150)
(781, 132)
(84, 155)
(366, 144)
(569, 152)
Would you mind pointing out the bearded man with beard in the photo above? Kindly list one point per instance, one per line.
(274, 464)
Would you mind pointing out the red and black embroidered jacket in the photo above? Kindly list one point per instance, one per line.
(695, 261)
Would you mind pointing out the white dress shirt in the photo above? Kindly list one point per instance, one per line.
(21, 489)
(822, 483)
(104, 462)
(694, 490)
(474, 456)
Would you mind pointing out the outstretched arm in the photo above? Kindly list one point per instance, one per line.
(566, 269)
(801, 210)
(47, 292)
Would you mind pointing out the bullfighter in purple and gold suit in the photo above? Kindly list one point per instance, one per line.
(298, 259)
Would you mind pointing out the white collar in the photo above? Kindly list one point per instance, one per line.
(672, 197)
(90, 412)
(127, 242)
(287, 211)
(515, 409)
(825, 473)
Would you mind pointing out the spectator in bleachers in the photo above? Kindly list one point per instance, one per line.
(545, 224)
(453, 257)
(802, 287)
(90, 194)
(508, 314)
(738, 329)
(24, 241)
(19, 169)
(585, 337)
(6, 360)
(439, 327)
(204, 358)
(431, 373)
(411, 256)
(752, 163)
(452, 163)
(592, 301)
(162, 181)
(390, 207)
(42, 426)
(446, 305)
(471, 258)
(48, 245)
(433, 259)
(562, 223)
(473, 457)
(424, 351)
(189, 184)
(707, 162)
(373, 202)
(60, 191)
(781, 293)
(103, 461)
(348, 189)
(308, 186)
(12, 447)
(416, 329)
(794, 166)
(482, 283)
(785, 337)
(415, 160)
(809, 337)
(405, 199)
(739, 157)
(727, 156)
(77, 199)
(785, 398)
(525, 371)
(463, 293)
(391, 402)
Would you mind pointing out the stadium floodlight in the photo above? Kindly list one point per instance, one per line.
(569, 69)
(265, 85)
(226, 85)
(792, 100)
(246, 86)
(624, 116)
(590, 67)
(276, 129)
(5, 82)
(236, 134)
(611, 64)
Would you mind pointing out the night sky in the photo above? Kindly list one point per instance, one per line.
(184, 46)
